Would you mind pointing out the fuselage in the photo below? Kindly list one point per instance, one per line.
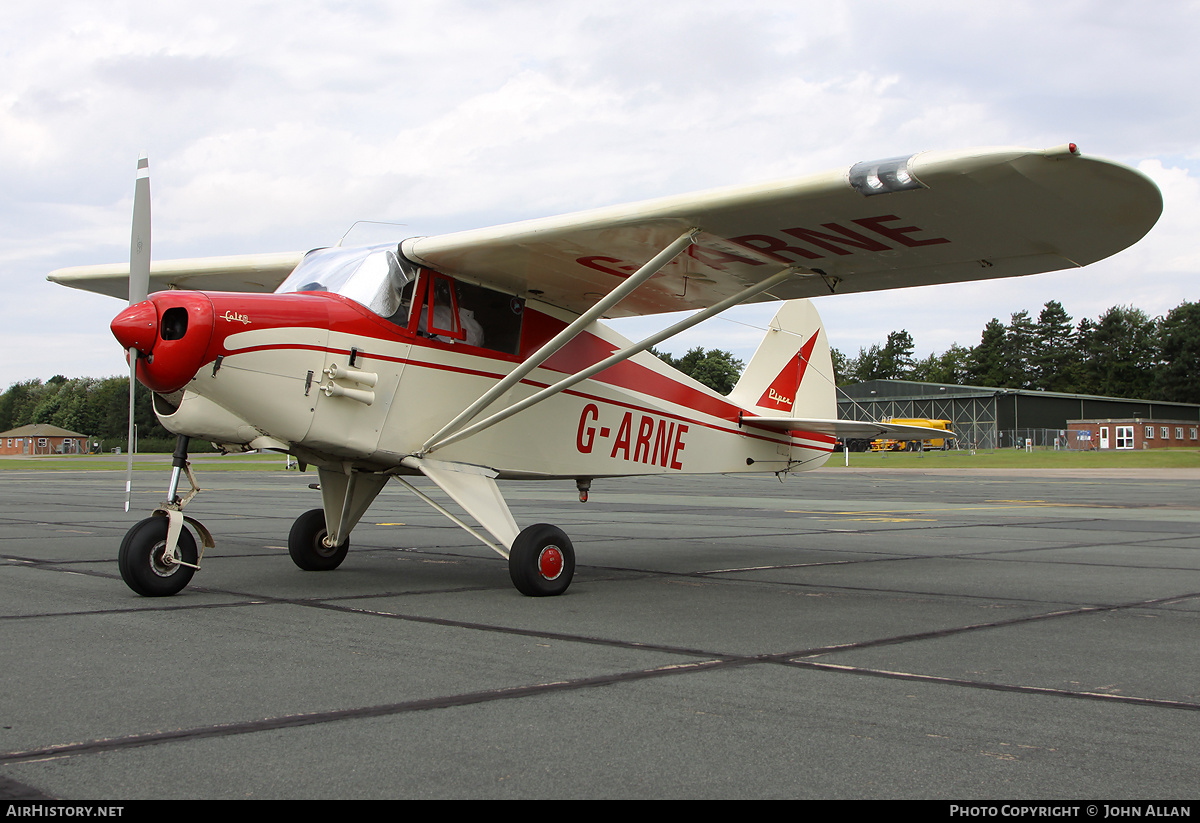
(326, 378)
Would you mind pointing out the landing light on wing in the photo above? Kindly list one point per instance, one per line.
(883, 176)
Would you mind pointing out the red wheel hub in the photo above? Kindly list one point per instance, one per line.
(550, 562)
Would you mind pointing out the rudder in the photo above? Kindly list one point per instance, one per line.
(791, 373)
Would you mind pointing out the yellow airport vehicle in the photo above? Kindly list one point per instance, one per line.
(939, 443)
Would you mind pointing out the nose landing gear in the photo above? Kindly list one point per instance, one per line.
(158, 555)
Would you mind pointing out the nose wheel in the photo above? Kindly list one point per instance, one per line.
(146, 565)
(541, 561)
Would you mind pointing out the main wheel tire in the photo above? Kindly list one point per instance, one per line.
(141, 559)
(541, 562)
(306, 544)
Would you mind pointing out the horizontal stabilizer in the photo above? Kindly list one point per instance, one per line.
(856, 429)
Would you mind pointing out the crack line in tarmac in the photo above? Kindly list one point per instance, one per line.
(999, 687)
(714, 661)
(365, 712)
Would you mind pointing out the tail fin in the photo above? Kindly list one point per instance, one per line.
(791, 374)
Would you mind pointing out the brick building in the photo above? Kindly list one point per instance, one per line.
(1132, 433)
(42, 438)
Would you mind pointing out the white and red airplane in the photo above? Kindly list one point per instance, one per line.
(479, 356)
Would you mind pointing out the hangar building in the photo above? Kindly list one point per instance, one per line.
(988, 418)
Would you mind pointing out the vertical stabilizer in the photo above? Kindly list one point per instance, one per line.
(791, 373)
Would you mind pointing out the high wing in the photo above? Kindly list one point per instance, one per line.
(242, 272)
(933, 217)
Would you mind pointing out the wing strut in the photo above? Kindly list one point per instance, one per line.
(656, 264)
(617, 357)
(474, 488)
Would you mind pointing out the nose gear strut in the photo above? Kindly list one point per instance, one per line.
(155, 564)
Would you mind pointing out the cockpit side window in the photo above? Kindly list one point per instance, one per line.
(453, 311)
(442, 319)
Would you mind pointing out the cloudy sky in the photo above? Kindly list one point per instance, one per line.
(276, 126)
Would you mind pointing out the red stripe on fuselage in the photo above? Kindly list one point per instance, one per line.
(343, 316)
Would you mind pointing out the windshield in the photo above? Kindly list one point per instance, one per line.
(374, 276)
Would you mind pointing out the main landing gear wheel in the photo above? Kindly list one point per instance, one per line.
(542, 561)
(306, 544)
(143, 564)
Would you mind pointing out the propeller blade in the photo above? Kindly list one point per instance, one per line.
(133, 353)
(139, 244)
(139, 287)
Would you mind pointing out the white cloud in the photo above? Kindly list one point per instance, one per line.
(274, 126)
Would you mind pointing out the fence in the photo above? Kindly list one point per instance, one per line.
(974, 437)
(1049, 439)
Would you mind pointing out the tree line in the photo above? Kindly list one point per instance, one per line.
(99, 407)
(1124, 353)
(94, 406)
